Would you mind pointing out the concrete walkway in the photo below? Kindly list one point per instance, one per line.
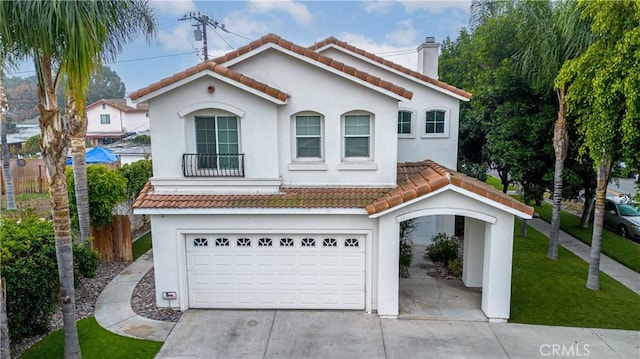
(113, 307)
(615, 270)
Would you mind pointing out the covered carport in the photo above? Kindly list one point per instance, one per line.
(425, 189)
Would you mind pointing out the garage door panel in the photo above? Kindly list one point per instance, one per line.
(284, 275)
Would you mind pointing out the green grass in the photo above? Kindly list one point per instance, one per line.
(141, 246)
(618, 248)
(495, 182)
(95, 342)
(552, 292)
(31, 196)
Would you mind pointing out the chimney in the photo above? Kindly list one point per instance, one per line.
(428, 57)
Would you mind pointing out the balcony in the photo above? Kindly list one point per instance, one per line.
(213, 165)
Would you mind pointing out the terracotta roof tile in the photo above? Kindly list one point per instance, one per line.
(219, 69)
(310, 53)
(121, 104)
(414, 179)
(333, 41)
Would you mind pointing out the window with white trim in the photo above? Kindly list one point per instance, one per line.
(308, 133)
(105, 119)
(217, 141)
(357, 136)
(436, 123)
(405, 123)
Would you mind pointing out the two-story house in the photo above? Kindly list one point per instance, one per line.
(282, 174)
(109, 120)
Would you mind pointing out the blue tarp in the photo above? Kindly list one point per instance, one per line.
(98, 155)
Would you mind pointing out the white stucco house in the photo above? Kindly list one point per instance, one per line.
(109, 120)
(282, 174)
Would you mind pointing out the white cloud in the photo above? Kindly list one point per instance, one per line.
(378, 7)
(398, 54)
(178, 38)
(405, 35)
(436, 6)
(173, 7)
(298, 11)
(241, 23)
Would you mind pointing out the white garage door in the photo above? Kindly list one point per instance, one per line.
(276, 271)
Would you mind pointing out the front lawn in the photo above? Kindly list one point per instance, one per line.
(614, 246)
(552, 292)
(95, 342)
(141, 246)
(495, 182)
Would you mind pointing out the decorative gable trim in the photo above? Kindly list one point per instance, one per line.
(332, 42)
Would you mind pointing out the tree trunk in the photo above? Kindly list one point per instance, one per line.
(504, 178)
(5, 348)
(560, 146)
(6, 165)
(589, 202)
(54, 145)
(593, 280)
(78, 130)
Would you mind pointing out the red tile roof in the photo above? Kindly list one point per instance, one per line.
(121, 104)
(333, 41)
(303, 51)
(415, 179)
(219, 69)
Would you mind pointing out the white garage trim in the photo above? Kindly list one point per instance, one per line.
(339, 300)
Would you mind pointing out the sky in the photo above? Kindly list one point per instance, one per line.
(391, 29)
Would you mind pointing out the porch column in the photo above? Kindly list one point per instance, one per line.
(388, 266)
(496, 272)
(473, 252)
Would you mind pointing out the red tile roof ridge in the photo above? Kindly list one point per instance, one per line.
(219, 69)
(309, 53)
(333, 41)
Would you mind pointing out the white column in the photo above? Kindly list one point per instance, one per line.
(496, 278)
(473, 255)
(388, 266)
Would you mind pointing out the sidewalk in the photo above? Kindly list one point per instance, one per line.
(617, 271)
(113, 307)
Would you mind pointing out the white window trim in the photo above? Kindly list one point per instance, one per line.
(447, 121)
(307, 163)
(411, 134)
(107, 116)
(190, 135)
(345, 159)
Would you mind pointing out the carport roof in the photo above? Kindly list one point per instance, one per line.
(415, 179)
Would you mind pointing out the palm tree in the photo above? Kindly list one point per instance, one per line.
(556, 34)
(6, 166)
(127, 19)
(63, 37)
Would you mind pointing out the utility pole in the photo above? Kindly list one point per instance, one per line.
(202, 21)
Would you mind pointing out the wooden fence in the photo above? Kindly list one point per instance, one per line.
(30, 178)
(114, 242)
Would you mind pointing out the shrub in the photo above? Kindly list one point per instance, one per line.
(28, 263)
(455, 266)
(406, 253)
(443, 248)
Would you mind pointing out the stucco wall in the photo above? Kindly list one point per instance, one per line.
(416, 147)
(116, 116)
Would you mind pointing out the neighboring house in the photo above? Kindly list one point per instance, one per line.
(109, 120)
(282, 173)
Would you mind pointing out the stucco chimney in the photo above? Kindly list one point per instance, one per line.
(428, 57)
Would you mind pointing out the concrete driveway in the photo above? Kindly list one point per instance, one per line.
(354, 334)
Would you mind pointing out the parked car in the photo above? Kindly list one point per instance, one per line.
(623, 215)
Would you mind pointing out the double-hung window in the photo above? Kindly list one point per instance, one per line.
(308, 137)
(105, 119)
(357, 136)
(435, 123)
(404, 123)
(217, 142)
